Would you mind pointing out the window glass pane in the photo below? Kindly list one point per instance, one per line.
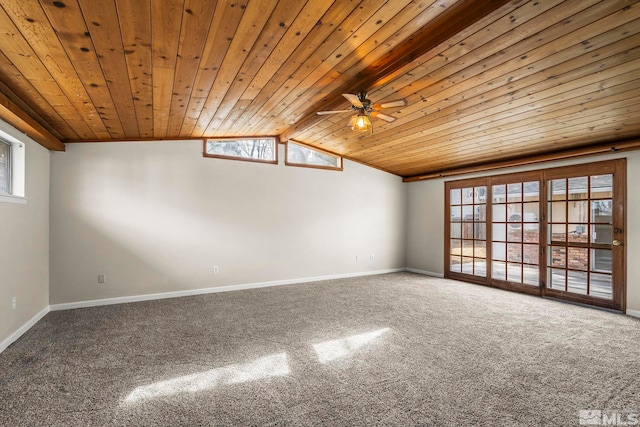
(577, 282)
(499, 270)
(499, 251)
(515, 212)
(499, 213)
(601, 211)
(467, 247)
(480, 232)
(514, 192)
(514, 252)
(467, 196)
(601, 233)
(481, 213)
(558, 189)
(515, 233)
(261, 149)
(531, 211)
(480, 195)
(578, 211)
(499, 232)
(558, 278)
(456, 213)
(456, 264)
(558, 257)
(480, 268)
(467, 212)
(456, 230)
(531, 275)
(499, 193)
(456, 196)
(578, 258)
(467, 230)
(578, 188)
(297, 153)
(530, 254)
(531, 191)
(558, 212)
(577, 232)
(558, 232)
(600, 285)
(531, 233)
(455, 247)
(4, 167)
(601, 186)
(514, 273)
(480, 249)
(601, 260)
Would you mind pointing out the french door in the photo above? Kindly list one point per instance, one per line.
(557, 232)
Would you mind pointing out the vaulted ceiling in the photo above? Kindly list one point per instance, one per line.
(485, 80)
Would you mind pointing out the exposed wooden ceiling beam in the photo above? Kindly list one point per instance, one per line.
(15, 116)
(444, 26)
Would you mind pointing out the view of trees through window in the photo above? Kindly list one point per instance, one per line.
(299, 154)
(260, 149)
(4, 167)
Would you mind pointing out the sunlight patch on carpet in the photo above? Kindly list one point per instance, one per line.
(331, 350)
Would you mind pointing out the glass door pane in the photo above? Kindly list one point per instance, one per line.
(467, 231)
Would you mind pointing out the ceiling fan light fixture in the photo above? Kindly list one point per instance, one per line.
(362, 123)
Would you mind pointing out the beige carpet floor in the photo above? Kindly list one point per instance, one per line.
(391, 350)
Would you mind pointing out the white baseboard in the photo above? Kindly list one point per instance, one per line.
(229, 288)
(425, 272)
(22, 329)
(634, 313)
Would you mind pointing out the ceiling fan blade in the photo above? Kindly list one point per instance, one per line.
(353, 99)
(385, 117)
(391, 104)
(322, 113)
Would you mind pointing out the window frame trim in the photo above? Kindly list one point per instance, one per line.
(9, 170)
(242, 159)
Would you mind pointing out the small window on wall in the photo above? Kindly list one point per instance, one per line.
(260, 149)
(5, 168)
(299, 154)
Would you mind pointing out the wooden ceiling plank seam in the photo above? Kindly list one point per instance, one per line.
(27, 16)
(75, 38)
(135, 24)
(517, 126)
(464, 100)
(536, 77)
(10, 113)
(370, 76)
(289, 78)
(431, 142)
(106, 35)
(281, 28)
(226, 18)
(23, 57)
(329, 74)
(253, 21)
(584, 96)
(497, 54)
(196, 24)
(17, 88)
(513, 140)
(165, 37)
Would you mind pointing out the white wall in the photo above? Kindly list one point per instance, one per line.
(425, 231)
(156, 217)
(24, 244)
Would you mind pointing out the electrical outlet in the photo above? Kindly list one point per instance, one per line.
(372, 257)
(215, 269)
(357, 259)
(101, 278)
(14, 303)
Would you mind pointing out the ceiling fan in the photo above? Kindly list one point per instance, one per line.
(363, 109)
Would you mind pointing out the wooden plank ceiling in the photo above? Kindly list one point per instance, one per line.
(485, 80)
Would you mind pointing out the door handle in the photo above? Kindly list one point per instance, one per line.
(616, 243)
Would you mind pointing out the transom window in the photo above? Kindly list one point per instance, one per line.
(299, 154)
(259, 149)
